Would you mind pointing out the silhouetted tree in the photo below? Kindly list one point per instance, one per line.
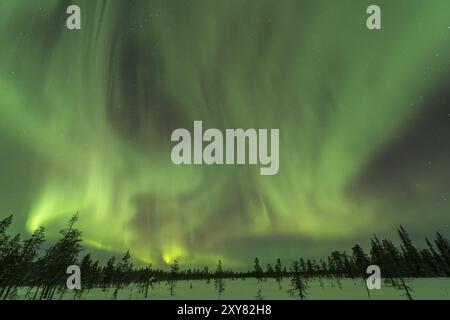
(58, 257)
(219, 282)
(259, 273)
(109, 273)
(174, 269)
(44, 275)
(411, 254)
(10, 262)
(124, 269)
(406, 288)
(443, 246)
(279, 272)
(360, 264)
(299, 285)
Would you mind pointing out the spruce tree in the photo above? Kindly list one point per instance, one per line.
(58, 257)
(219, 282)
(174, 270)
(443, 246)
(299, 284)
(258, 271)
(279, 272)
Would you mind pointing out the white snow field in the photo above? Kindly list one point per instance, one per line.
(349, 289)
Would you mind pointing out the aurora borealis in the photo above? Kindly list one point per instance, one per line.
(86, 117)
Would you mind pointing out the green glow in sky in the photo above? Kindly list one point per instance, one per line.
(86, 117)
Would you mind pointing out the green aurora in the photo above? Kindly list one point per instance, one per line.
(86, 118)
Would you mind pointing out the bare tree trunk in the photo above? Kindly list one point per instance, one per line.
(406, 288)
(146, 288)
(35, 294)
(53, 292)
(62, 293)
(7, 292)
(365, 286)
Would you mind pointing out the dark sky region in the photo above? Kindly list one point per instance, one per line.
(364, 119)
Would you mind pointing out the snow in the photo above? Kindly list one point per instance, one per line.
(351, 289)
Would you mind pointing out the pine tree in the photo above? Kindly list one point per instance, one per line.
(174, 270)
(219, 282)
(411, 254)
(148, 279)
(10, 263)
(309, 269)
(124, 269)
(279, 272)
(299, 285)
(4, 225)
(438, 261)
(86, 265)
(109, 273)
(431, 268)
(6, 252)
(361, 262)
(24, 257)
(392, 262)
(258, 271)
(443, 246)
(58, 257)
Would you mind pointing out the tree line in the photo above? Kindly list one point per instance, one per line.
(24, 264)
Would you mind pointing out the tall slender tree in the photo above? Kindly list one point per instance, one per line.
(299, 285)
(258, 271)
(174, 271)
(219, 282)
(279, 273)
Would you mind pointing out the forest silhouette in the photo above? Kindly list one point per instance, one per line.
(24, 264)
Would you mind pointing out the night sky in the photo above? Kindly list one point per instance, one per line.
(364, 118)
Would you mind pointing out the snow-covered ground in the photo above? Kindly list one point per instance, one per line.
(422, 288)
